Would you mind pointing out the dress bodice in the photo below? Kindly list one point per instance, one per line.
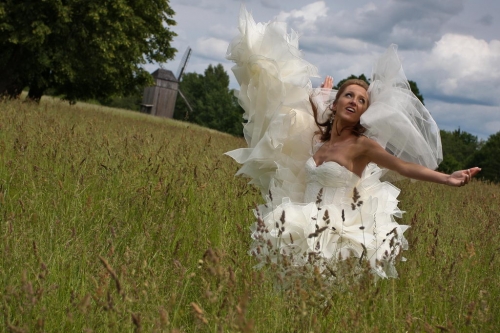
(332, 177)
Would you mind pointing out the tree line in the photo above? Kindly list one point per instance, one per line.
(462, 150)
(214, 104)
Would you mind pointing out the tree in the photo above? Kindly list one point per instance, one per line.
(81, 48)
(459, 148)
(416, 91)
(487, 159)
(413, 85)
(214, 104)
(362, 77)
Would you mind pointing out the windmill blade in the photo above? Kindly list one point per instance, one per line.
(183, 63)
(185, 100)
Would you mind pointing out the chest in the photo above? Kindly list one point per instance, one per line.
(342, 153)
(347, 154)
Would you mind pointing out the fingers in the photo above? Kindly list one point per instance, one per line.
(474, 171)
(465, 180)
(463, 177)
(327, 83)
(467, 177)
(468, 174)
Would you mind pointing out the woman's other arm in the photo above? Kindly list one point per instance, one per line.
(382, 158)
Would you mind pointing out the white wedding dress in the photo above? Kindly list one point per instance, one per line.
(325, 211)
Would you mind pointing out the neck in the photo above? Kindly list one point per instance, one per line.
(340, 130)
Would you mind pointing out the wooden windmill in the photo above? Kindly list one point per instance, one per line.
(159, 100)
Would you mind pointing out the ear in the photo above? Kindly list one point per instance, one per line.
(333, 107)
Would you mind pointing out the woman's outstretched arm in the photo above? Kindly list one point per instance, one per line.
(381, 157)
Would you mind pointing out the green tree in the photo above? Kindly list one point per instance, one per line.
(487, 159)
(413, 85)
(81, 49)
(416, 91)
(352, 76)
(214, 104)
(459, 147)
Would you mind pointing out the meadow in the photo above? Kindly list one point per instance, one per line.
(114, 221)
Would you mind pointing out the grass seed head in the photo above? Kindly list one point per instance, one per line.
(355, 195)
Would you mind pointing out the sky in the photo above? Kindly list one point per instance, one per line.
(450, 48)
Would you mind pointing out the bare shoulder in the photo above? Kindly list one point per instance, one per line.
(366, 143)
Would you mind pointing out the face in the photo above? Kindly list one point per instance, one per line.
(351, 104)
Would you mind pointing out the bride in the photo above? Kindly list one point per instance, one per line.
(322, 158)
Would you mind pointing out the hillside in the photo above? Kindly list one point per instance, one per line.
(114, 221)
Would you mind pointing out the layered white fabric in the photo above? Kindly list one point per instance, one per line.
(342, 216)
(396, 118)
(274, 91)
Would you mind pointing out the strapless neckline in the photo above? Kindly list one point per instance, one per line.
(327, 163)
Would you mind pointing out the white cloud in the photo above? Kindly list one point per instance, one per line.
(462, 68)
(305, 19)
(460, 81)
(211, 48)
(223, 32)
(467, 56)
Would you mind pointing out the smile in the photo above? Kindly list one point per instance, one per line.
(351, 110)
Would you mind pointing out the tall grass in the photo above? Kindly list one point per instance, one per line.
(113, 221)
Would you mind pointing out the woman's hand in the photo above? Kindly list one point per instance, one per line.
(462, 177)
(327, 83)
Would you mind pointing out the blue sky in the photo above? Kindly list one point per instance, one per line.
(451, 48)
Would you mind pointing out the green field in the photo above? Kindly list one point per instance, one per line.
(113, 221)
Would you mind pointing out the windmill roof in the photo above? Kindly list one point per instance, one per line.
(164, 74)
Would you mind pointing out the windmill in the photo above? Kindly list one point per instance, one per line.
(180, 71)
(159, 100)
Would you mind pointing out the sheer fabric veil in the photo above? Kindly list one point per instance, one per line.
(396, 118)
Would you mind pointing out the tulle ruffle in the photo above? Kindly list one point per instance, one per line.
(361, 224)
(274, 92)
(396, 118)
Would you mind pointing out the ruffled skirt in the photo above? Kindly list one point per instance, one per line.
(360, 223)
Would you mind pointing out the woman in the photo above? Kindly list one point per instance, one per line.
(325, 198)
(344, 144)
